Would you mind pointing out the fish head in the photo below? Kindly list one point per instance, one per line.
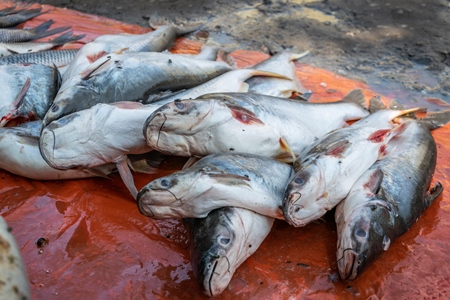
(171, 127)
(364, 238)
(215, 250)
(305, 196)
(69, 142)
(172, 195)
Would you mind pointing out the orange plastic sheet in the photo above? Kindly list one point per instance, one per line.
(101, 247)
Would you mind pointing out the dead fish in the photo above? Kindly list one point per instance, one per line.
(330, 166)
(221, 242)
(14, 18)
(131, 77)
(19, 149)
(30, 101)
(386, 200)
(232, 81)
(155, 41)
(246, 123)
(7, 49)
(218, 180)
(280, 63)
(14, 35)
(58, 58)
(102, 134)
(13, 274)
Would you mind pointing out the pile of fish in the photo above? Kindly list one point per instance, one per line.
(255, 155)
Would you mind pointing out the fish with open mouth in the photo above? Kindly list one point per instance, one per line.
(155, 41)
(13, 274)
(15, 35)
(28, 91)
(218, 180)
(131, 77)
(330, 166)
(19, 149)
(387, 199)
(221, 242)
(247, 123)
(102, 134)
(280, 63)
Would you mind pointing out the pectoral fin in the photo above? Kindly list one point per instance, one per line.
(230, 179)
(125, 174)
(285, 146)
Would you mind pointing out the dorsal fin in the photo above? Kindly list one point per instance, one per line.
(357, 97)
(376, 104)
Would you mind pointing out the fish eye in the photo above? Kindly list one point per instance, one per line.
(224, 241)
(55, 108)
(164, 182)
(299, 180)
(373, 207)
(179, 104)
(360, 233)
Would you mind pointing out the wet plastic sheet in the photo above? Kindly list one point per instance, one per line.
(101, 247)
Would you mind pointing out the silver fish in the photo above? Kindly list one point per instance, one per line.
(14, 35)
(19, 149)
(33, 102)
(232, 81)
(14, 18)
(104, 133)
(221, 242)
(59, 58)
(13, 274)
(386, 200)
(131, 77)
(330, 166)
(155, 41)
(246, 123)
(7, 49)
(280, 63)
(218, 180)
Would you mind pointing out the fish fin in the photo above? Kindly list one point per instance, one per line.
(41, 30)
(226, 57)
(66, 38)
(96, 56)
(285, 146)
(384, 151)
(267, 74)
(433, 193)
(127, 105)
(148, 163)
(229, 179)
(357, 97)
(90, 71)
(434, 120)
(96, 172)
(408, 113)
(338, 148)
(376, 104)
(243, 88)
(192, 160)
(396, 105)
(125, 174)
(156, 21)
(374, 182)
(382, 195)
(120, 51)
(17, 103)
(297, 56)
(243, 115)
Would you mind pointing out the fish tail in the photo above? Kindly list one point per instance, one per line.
(225, 56)
(156, 21)
(357, 97)
(32, 13)
(66, 38)
(41, 31)
(434, 120)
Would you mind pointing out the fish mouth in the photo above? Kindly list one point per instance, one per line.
(290, 209)
(218, 281)
(210, 280)
(143, 208)
(348, 264)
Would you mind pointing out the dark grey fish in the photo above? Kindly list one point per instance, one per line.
(131, 77)
(58, 58)
(17, 17)
(221, 242)
(14, 35)
(386, 200)
(218, 180)
(35, 101)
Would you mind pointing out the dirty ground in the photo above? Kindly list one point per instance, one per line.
(391, 45)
